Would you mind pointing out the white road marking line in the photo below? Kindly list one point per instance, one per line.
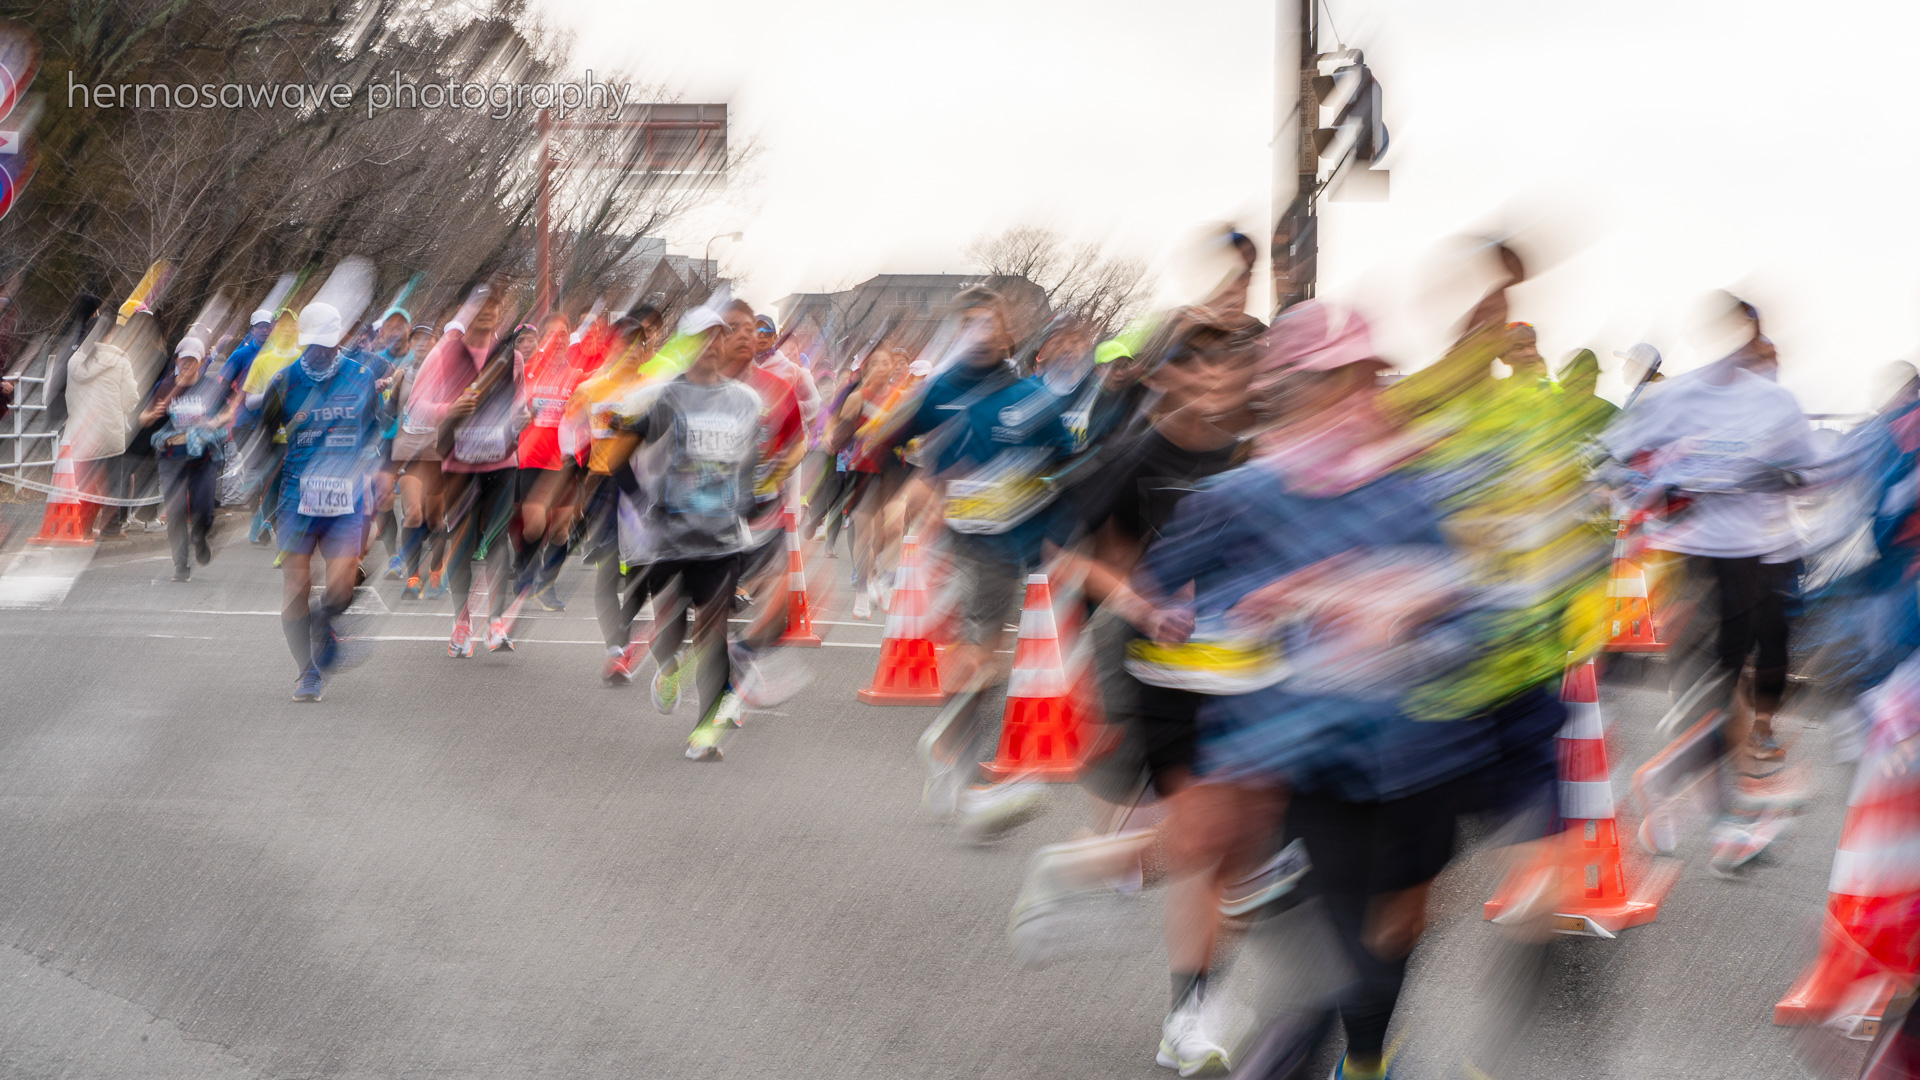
(516, 641)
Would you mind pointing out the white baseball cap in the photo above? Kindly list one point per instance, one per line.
(1642, 354)
(320, 324)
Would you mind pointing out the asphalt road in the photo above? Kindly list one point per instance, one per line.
(500, 868)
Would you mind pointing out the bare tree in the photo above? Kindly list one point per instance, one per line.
(234, 196)
(1080, 279)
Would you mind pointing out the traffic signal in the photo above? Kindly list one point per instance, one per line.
(1353, 94)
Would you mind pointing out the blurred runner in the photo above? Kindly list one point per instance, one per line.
(987, 440)
(191, 448)
(1722, 446)
(415, 457)
(468, 394)
(707, 423)
(548, 483)
(331, 412)
(620, 588)
(1321, 595)
(1199, 410)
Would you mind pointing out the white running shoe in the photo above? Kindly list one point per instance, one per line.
(460, 645)
(1659, 835)
(862, 607)
(942, 793)
(498, 638)
(993, 810)
(1737, 842)
(1060, 900)
(1186, 1046)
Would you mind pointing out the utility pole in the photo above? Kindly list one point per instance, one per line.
(543, 270)
(681, 140)
(1296, 162)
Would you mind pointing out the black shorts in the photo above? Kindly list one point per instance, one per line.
(527, 479)
(1158, 725)
(1364, 849)
(701, 580)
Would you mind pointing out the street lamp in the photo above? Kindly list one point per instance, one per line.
(713, 272)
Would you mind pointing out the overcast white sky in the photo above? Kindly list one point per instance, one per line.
(1682, 145)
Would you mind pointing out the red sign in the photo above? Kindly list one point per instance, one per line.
(19, 60)
(6, 192)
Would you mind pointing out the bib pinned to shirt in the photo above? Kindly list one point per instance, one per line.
(326, 496)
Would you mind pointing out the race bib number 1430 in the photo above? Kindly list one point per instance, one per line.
(326, 496)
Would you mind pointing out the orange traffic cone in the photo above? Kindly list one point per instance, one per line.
(68, 519)
(1041, 736)
(799, 612)
(1870, 935)
(909, 671)
(1631, 628)
(1594, 898)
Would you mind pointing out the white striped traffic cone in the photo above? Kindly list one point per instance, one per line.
(1042, 735)
(1870, 935)
(909, 669)
(68, 519)
(1585, 857)
(799, 610)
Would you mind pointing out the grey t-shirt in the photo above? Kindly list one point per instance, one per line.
(1711, 432)
(706, 495)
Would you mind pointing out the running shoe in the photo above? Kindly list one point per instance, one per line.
(498, 640)
(992, 810)
(620, 665)
(704, 743)
(550, 599)
(1765, 747)
(202, 551)
(412, 589)
(1659, 834)
(309, 686)
(436, 585)
(1060, 898)
(183, 573)
(1186, 1046)
(941, 795)
(1739, 841)
(395, 568)
(1275, 878)
(666, 687)
(460, 647)
(862, 607)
